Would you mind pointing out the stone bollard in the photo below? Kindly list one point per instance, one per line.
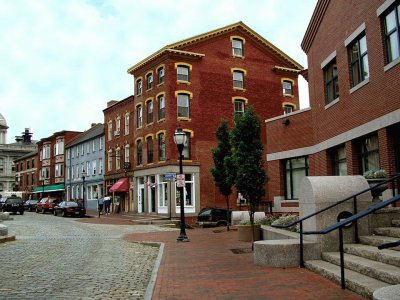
(3, 230)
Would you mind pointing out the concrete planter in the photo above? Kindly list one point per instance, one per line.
(245, 235)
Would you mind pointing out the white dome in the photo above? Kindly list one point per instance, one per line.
(3, 121)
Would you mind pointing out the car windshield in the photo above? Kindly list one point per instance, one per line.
(205, 212)
(14, 200)
(71, 204)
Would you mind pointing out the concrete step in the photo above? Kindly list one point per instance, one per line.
(396, 223)
(361, 284)
(388, 231)
(386, 256)
(375, 269)
(376, 240)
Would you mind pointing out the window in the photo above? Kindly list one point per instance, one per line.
(117, 126)
(149, 112)
(287, 109)
(392, 34)
(238, 79)
(109, 161)
(149, 142)
(161, 75)
(109, 131)
(183, 73)
(359, 61)
(295, 170)
(33, 163)
(287, 87)
(149, 80)
(59, 147)
(77, 172)
(161, 146)
(162, 188)
(126, 153)
(239, 108)
(46, 151)
(100, 143)
(183, 106)
(93, 145)
(139, 86)
(59, 170)
(45, 174)
(139, 116)
(117, 159)
(87, 147)
(339, 161)
(100, 166)
(139, 152)
(370, 154)
(82, 149)
(188, 194)
(94, 167)
(161, 107)
(237, 47)
(186, 147)
(331, 82)
(87, 168)
(127, 123)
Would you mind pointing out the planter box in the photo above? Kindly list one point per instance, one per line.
(245, 235)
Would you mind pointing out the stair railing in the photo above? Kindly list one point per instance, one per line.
(395, 179)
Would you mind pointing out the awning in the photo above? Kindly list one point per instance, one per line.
(122, 185)
(50, 188)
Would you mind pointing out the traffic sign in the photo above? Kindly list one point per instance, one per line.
(169, 176)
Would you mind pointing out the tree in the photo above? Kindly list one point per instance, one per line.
(220, 155)
(249, 175)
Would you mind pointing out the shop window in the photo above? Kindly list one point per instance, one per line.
(188, 191)
(295, 171)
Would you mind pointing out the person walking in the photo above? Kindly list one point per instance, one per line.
(107, 203)
(100, 205)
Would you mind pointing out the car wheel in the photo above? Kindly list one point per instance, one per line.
(43, 211)
(37, 211)
(221, 223)
(55, 213)
(21, 212)
(64, 213)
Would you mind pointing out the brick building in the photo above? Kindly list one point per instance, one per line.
(194, 83)
(26, 174)
(353, 123)
(119, 141)
(51, 163)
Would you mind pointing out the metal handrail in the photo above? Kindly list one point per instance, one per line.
(354, 197)
(341, 224)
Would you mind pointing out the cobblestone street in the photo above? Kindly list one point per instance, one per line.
(59, 258)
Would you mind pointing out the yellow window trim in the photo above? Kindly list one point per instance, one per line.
(140, 139)
(287, 79)
(183, 82)
(137, 105)
(184, 92)
(148, 100)
(184, 119)
(237, 56)
(189, 131)
(246, 101)
(183, 64)
(160, 84)
(289, 104)
(139, 78)
(239, 89)
(149, 72)
(160, 131)
(160, 66)
(240, 70)
(160, 94)
(149, 135)
(236, 37)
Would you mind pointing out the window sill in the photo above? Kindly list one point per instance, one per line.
(391, 64)
(183, 82)
(184, 119)
(288, 95)
(332, 103)
(138, 128)
(239, 89)
(237, 56)
(359, 85)
(148, 90)
(149, 124)
(161, 120)
(160, 84)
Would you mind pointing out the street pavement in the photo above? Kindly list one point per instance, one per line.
(60, 258)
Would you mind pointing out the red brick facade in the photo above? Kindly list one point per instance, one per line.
(368, 109)
(210, 62)
(26, 174)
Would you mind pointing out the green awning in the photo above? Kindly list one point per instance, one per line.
(50, 188)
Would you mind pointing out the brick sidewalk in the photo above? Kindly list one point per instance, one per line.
(206, 268)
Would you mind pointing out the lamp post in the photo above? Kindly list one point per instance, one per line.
(180, 139)
(83, 175)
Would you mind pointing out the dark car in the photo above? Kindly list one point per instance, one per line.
(69, 208)
(211, 216)
(46, 204)
(14, 205)
(2, 200)
(30, 205)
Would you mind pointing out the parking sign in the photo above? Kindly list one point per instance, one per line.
(180, 180)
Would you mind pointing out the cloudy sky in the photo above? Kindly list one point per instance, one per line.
(62, 60)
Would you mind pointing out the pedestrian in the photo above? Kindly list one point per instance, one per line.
(107, 203)
(100, 205)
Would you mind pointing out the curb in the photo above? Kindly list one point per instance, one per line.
(7, 238)
(150, 287)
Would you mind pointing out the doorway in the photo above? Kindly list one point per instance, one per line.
(140, 194)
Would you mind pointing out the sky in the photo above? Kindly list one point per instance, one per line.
(62, 60)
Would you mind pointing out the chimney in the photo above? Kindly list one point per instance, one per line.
(27, 136)
(111, 103)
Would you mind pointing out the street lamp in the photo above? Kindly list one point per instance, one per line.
(83, 174)
(180, 139)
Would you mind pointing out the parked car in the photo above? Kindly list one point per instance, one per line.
(211, 216)
(13, 204)
(46, 205)
(30, 205)
(69, 208)
(2, 200)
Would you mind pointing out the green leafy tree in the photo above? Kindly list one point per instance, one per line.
(249, 175)
(221, 155)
